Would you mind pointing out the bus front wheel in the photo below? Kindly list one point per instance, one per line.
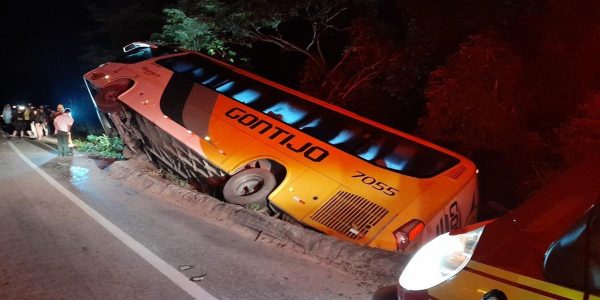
(249, 186)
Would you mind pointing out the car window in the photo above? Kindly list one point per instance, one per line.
(593, 263)
(574, 259)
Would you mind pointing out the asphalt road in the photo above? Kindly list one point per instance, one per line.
(68, 231)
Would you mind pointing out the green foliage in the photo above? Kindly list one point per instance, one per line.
(101, 144)
(217, 27)
(194, 34)
(176, 179)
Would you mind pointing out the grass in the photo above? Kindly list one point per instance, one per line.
(101, 144)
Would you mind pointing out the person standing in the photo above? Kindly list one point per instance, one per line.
(19, 121)
(29, 127)
(7, 116)
(70, 140)
(46, 125)
(38, 118)
(62, 127)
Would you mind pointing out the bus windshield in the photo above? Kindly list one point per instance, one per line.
(143, 53)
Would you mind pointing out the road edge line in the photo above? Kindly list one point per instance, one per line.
(154, 260)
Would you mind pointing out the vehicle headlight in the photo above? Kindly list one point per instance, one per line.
(439, 260)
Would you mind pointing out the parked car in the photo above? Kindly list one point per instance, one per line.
(548, 248)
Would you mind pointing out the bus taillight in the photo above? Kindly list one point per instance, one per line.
(407, 233)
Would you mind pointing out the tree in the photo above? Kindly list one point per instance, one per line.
(471, 101)
(560, 47)
(202, 24)
(472, 109)
(369, 53)
(342, 55)
(580, 136)
(192, 34)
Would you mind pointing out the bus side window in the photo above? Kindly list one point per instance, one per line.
(312, 124)
(398, 158)
(180, 65)
(425, 162)
(342, 137)
(348, 139)
(246, 96)
(213, 81)
(319, 129)
(369, 147)
(198, 73)
(202, 75)
(369, 152)
(286, 112)
(226, 87)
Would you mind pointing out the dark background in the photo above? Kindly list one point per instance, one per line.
(42, 43)
(41, 46)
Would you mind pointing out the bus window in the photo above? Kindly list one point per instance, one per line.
(311, 125)
(350, 140)
(397, 159)
(210, 80)
(370, 150)
(198, 73)
(202, 75)
(342, 137)
(246, 96)
(224, 88)
(216, 81)
(143, 53)
(286, 112)
(181, 66)
(426, 162)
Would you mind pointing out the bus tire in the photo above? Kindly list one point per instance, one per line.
(107, 98)
(250, 186)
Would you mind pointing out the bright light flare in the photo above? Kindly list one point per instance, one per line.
(440, 259)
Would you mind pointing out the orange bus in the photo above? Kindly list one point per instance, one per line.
(263, 144)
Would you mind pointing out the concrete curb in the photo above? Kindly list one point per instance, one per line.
(378, 266)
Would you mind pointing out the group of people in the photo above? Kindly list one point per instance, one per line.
(38, 122)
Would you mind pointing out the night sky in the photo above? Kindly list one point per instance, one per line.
(41, 43)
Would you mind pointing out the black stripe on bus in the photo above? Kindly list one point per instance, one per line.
(174, 97)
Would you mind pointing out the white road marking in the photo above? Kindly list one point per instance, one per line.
(179, 279)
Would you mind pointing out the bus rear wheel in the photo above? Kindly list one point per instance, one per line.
(250, 186)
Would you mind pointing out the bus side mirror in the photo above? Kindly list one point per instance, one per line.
(135, 45)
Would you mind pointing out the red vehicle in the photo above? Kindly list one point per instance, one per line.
(548, 248)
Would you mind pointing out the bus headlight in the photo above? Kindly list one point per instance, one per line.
(439, 260)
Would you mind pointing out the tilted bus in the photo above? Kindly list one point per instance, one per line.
(261, 143)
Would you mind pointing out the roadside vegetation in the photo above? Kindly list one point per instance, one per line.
(102, 145)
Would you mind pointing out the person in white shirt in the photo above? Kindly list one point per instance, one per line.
(62, 127)
(70, 140)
